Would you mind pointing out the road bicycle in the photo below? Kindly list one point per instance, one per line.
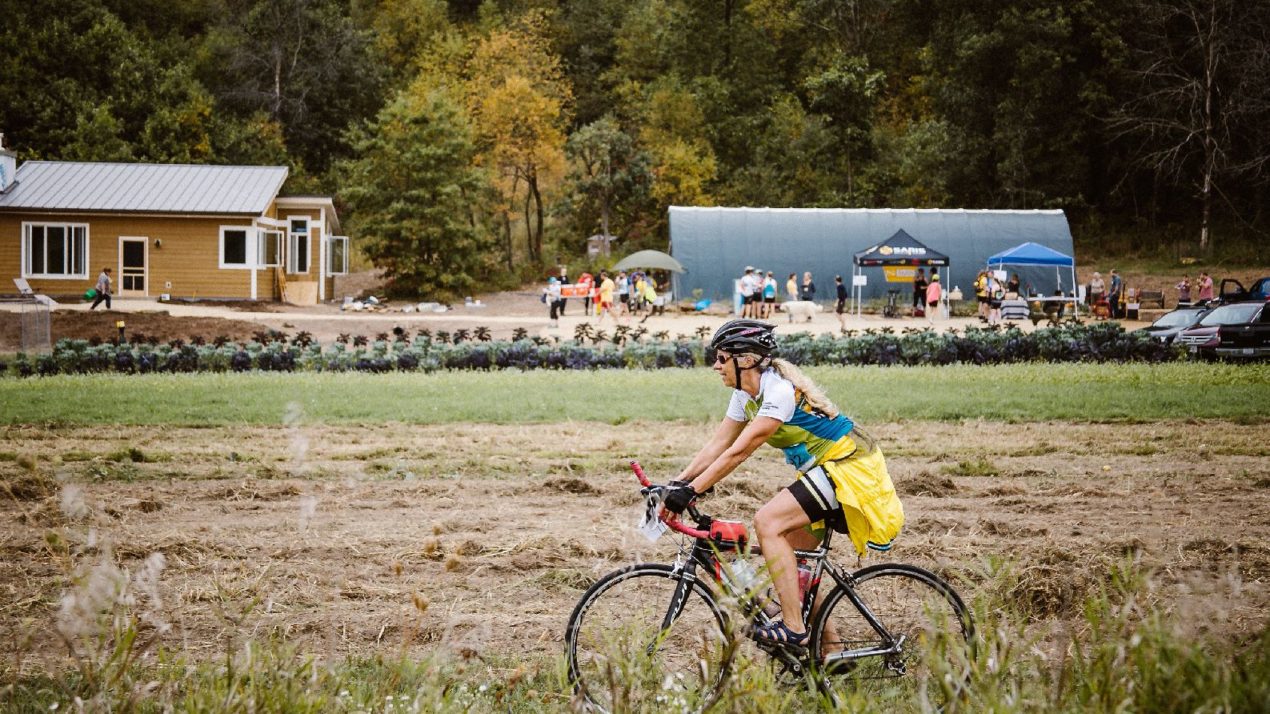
(663, 635)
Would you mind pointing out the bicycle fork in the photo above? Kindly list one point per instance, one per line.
(687, 577)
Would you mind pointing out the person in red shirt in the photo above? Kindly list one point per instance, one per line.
(933, 294)
(1205, 287)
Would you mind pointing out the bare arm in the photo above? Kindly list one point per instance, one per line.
(724, 435)
(751, 437)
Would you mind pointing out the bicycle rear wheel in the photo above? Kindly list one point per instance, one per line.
(643, 637)
(908, 628)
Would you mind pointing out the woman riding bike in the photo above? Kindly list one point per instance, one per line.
(842, 484)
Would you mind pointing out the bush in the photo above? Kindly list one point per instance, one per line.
(1103, 342)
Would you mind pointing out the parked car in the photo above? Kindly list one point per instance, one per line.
(1232, 290)
(1205, 338)
(1250, 340)
(1170, 324)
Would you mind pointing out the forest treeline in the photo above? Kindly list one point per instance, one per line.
(471, 143)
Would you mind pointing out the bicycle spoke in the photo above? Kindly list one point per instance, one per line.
(905, 620)
(623, 656)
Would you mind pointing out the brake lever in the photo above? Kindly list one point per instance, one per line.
(649, 490)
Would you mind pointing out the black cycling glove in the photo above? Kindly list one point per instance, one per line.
(678, 496)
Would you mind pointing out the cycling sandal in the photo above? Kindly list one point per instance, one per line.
(778, 633)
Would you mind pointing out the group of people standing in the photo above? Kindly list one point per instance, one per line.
(611, 297)
(1107, 300)
(927, 295)
(1203, 289)
(759, 289)
(990, 292)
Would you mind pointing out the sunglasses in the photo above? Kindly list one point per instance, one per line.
(722, 358)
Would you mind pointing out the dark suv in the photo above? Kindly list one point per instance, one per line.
(1206, 339)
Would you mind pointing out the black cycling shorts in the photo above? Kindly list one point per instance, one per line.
(815, 494)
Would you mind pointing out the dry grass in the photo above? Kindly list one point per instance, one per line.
(330, 537)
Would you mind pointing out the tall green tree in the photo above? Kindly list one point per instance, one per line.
(404, 31)
(414, 195)
(607, 173)
(305, 63)
(588, 47)
(76, 82)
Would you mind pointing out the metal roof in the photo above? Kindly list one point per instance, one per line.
(143, 188)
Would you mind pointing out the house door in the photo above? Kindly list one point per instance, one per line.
(132, 266)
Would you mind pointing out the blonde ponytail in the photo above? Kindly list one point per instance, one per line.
(814, 395)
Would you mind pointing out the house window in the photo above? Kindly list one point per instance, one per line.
(298, 246)
(337, 260)
(54, 250)
(235, 246)
(269, 249)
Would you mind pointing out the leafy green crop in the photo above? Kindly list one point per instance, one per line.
(1106, 342)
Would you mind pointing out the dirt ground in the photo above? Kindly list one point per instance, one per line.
(479, 539)
(100, 324)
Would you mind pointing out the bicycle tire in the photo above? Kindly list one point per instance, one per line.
(907, 601)
(619, 658)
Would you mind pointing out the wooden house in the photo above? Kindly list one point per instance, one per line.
(177, 231)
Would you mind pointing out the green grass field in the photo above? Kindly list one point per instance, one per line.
(1032, 392)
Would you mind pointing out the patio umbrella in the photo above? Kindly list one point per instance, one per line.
(649, 260)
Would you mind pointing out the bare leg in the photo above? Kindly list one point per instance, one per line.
(778, 524)
(802, 539)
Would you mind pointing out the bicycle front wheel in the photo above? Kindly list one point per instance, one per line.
(647, 637)
(897, 622)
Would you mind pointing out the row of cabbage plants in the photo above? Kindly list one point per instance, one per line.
(1101, 342)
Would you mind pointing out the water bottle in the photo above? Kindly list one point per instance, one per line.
(804, 578)
(770, 605)
(741, 574)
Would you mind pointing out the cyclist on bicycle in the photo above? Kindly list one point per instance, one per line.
(843, 482)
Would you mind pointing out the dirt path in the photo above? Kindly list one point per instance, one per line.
(326, 323)
(341, 534)
(503, 313)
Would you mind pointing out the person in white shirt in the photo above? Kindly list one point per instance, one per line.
(747, 292)
(554, 302)
(103, 289)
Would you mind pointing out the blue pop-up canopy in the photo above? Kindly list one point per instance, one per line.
(1031, 254)
(1037, 254)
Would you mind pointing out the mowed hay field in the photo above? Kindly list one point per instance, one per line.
(471, 542)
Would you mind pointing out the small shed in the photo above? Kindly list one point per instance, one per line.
(599, 245)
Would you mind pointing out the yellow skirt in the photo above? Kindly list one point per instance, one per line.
(873, 511)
